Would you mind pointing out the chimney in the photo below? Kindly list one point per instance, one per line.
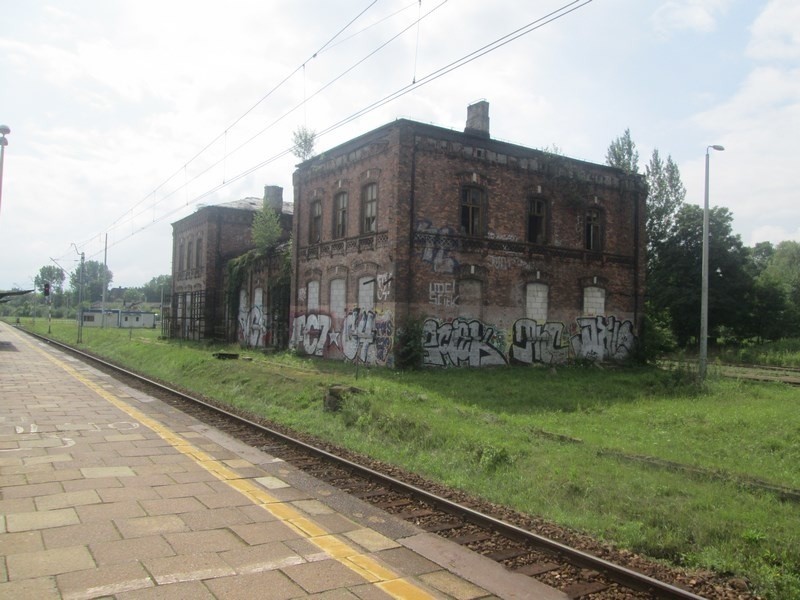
(478, 119)
(273, 197)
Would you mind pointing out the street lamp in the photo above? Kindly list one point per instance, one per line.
(4, 131)
(704, 289)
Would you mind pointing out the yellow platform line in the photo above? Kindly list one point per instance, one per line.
(367, 567)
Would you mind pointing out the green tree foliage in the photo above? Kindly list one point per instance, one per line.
(675, 280)
(782, 271)
(92, 281)
(303, 140)
(266, 231)
(666, 195)
(153, 288)
(622, 153)
(52, 275)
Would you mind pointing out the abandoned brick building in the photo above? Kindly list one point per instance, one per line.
(202, 304)
(504, 253)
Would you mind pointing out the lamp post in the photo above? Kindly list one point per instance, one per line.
(702, 367)
(4, 131)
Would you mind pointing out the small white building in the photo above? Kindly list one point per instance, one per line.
(124, 319)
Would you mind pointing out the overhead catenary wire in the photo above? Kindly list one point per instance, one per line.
(530, 27)
(249, 110)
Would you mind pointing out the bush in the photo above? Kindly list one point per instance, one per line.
(409, 353)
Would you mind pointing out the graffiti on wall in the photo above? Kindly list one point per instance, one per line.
(367, 336)
(442, 293)
(470, 342)
(603, 338)
(384, 281)
(461, 342)
(535, 343)
(363, 335)
(253, 327)
(434, 250)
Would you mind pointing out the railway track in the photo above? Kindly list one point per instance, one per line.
(497, 533)
(787, 375)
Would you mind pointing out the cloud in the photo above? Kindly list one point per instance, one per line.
(776, 32)
(688, 15)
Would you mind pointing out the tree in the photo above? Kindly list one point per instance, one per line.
(303, 140)
(266, 230)
(783, 270)
(665, 197)
(92, 290)
(153, 288)
(52, 275)
(675, 280)
(622, 154)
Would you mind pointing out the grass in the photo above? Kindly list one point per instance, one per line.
(553, 444)
(781, 353)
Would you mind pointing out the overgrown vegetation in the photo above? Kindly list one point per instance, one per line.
(644, 458)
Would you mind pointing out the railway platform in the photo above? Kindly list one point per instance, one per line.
(106, 492)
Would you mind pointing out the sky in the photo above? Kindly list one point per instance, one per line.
(127, 116)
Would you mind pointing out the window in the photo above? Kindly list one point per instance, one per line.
(313, 296)
(537, 219)
(340, 215)
(536, 302)
(594, 301)
(180, 257)
(338, 298)
(471, 205)
(189, 255)
(366, 293)
(592, 239)
(470, 298)
(315, 224)
(198, 251)
(369, 208)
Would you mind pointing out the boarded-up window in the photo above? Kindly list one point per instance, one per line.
(366, 293)
(536, 302)
(594, 301)
(469, 298)
(313, 296)
(338, 299)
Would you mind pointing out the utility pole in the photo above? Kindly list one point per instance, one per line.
(105, 284)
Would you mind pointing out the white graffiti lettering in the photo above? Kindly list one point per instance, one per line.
(534, 343)
(603, 338)
(442, 293)
(460, 343)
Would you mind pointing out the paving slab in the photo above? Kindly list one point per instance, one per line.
(112, 493)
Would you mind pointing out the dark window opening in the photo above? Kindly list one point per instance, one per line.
(340, 215)
(537, 219)
(592, 232)
(471, 211)
(315, 224)
(369, 208)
